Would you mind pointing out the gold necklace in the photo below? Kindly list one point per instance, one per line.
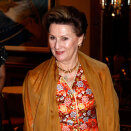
(69, 70)
(70, 82)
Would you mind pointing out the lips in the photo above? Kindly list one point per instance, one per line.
(59, 52)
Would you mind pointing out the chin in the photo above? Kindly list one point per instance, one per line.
(58, 59)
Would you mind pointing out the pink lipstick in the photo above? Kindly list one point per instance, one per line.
(59, 52)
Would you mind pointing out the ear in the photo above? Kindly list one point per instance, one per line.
(80, 40)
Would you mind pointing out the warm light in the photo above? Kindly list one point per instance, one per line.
(103, 4)
(107, 59)
(112, 1)
(119, 2)
(116, 4)
(123, 71)
(129, 2)
(113, 14)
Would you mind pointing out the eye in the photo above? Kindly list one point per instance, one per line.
(52, 37)
(64, 38)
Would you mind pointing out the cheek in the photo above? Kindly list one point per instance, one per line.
(71, 45)
(51, 44)
(68, 44)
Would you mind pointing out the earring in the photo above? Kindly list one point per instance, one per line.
(79, 45)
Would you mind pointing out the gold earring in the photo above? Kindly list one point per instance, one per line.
(79, 45)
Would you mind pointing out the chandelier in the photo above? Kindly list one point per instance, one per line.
(115, 5)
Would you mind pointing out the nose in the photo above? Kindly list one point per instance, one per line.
(57, 44)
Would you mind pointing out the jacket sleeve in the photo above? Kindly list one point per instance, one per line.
(111, 102)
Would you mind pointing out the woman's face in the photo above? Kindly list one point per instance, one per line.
(64, 42)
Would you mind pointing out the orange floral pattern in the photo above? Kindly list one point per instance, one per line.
(76, 105)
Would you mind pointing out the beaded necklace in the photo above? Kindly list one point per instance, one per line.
(69, 70)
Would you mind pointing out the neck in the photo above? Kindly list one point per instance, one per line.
(68, 65)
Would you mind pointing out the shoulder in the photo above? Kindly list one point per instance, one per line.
(39, 70)
(92, 63)
(97, 65)
(97, 68)
(34, 77)
(40, 67)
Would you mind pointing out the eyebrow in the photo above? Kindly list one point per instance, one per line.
(60, 36)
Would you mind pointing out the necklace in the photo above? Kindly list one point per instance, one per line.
(68, 80)
(69, 70)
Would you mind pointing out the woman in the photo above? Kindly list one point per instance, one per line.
(70, 91)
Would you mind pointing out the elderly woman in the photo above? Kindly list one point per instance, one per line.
(70, 91)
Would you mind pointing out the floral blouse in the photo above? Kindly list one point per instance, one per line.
(76, 105)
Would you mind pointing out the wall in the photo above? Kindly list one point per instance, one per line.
(84, 6)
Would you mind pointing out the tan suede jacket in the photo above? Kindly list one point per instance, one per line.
(39, 96)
